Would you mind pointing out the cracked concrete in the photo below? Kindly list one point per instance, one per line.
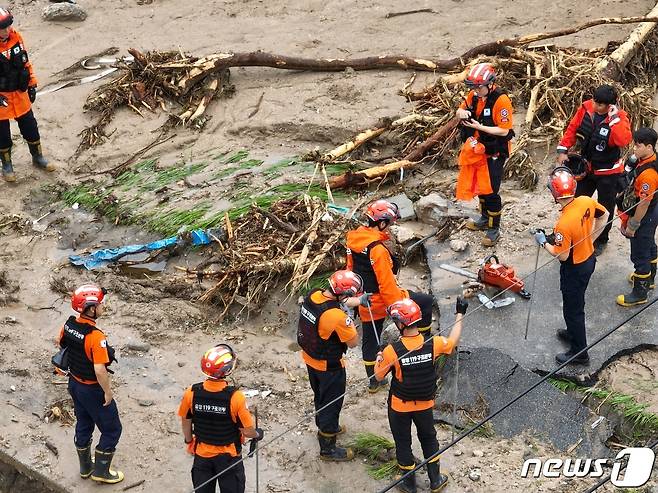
(488, 379)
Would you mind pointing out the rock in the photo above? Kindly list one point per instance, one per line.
(138, 346)
(435, 209)
(458, 245)
(64, 12)
(478, 453)
(457, 453)
(181, 364)
(10, 320)
(145, 402)
(403, 233)
(541, 214)
(13, 388)
(390, 333)
(405, 206)
(474, 475)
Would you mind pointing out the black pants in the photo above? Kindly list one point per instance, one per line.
(643, 244)
(27, 124)
(573, 284)
(606, 188)
(401, 429)
(203, 469)
(90, 413)
(327, 386)
(492, 204)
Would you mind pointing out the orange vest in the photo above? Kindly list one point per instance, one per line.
(18, 101)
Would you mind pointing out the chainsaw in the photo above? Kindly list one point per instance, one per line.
(493, 273)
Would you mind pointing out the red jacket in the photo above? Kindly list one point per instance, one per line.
(619, 134)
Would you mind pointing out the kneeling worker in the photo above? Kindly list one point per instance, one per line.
(413, 388)
(215, 421)
(324, 333)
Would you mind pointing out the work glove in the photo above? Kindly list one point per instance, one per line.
(261, 434)
(364, 299)
(32, 93)
(254, 441)
(461, 306)
(540, 237)
(550, 238)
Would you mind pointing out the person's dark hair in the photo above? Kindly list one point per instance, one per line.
(372, 224)
(646, 136)
(605, 94)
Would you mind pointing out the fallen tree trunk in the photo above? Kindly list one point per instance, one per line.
(612, 66)
(350, 179)
(202, 67)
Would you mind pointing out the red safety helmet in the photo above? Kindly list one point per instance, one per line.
(219, 361)
(383, 210)
(404, 313)
(6, 19)
(481, 74)
(562, 183)
(345, 283)
(87, 295)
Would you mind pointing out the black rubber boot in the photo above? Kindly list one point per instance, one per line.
(408, 484)
(438, 481)
(638, 295)
(329, 451)
(37, 156)
(7, 166)
(652, 275)
(373, 385)
(102, 469)
(583, 359)
(86, 463)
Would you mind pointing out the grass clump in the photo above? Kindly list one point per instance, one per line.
(374, 448)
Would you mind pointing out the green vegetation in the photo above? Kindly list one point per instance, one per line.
(146, 177)
(643, 423)
(318, 281)
(385, 471)
(373, 447)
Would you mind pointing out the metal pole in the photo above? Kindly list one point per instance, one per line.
(374, 329)
(256, 417)
(532, 293)
(454, 401)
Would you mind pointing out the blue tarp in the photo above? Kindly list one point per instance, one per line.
(101, 258)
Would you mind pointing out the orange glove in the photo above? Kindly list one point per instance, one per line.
(191, 446)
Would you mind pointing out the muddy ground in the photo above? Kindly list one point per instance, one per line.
(298, 112)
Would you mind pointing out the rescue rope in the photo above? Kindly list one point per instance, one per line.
(607, 478)
(522, 394)
(468, 314)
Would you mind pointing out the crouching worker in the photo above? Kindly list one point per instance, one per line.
(215, 422)
(411, 361)
(325, 331)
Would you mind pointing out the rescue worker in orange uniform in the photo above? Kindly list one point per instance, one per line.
(89, 355)
(368, 256)
(215, 423)
(324, 333)
(638, 203)
(473, 176)
(411, 361)
(486, 115)
(18, 86)
(598, 132)
(582, 220)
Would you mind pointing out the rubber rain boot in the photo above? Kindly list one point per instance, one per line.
(479, 224)
(37, 157)
(86, 462)
(408, 484)
(438, 481)
(652, 275)
(638, 295)
(373, 385)
(103, 472)
(491, 237)
(330, 452)
(7, 166)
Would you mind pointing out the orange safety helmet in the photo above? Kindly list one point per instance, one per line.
(6, 19)
(562, 183)
(383, 210)
(345, 283)
(87, 295)
(481, 74)
(219, 361)
(404, 313)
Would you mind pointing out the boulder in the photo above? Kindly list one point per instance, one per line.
(64, 12)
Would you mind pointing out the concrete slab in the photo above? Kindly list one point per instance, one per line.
(406, 206)
(504, 328)
(488, 379)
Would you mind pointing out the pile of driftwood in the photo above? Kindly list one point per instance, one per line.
(290, 241)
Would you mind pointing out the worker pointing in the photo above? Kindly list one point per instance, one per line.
(411, 361)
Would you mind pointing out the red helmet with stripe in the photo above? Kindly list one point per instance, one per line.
(346, 283)
(85, 296)
(481, 74)
(562, 183)
(219, 361)
(404, 313)
(6, 19)
(383, 210)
